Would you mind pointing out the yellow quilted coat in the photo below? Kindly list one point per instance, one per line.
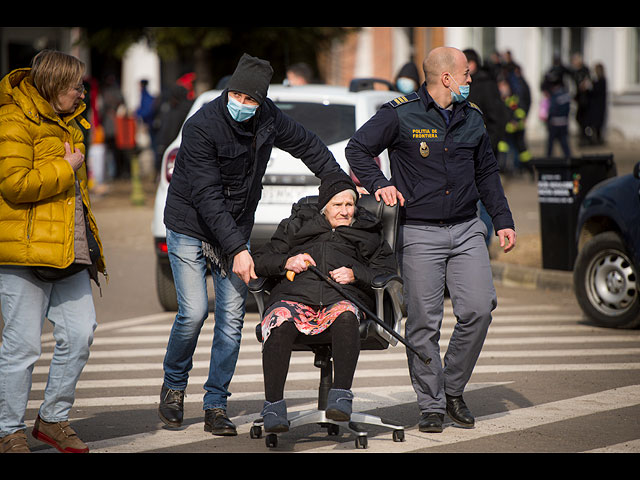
(37, 185)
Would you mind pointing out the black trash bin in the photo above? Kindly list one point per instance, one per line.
(562, 185)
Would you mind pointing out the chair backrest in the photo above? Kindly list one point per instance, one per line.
(388, 214)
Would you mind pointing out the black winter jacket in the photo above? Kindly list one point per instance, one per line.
(441, 170)
(360, 247)
(217, 179)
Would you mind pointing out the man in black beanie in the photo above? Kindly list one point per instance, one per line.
(209, 215)
(251, 77)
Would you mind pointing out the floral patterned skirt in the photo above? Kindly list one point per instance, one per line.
(308, 320)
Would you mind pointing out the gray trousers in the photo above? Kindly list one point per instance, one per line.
(429, 256)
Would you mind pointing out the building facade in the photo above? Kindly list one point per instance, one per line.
(381, 51)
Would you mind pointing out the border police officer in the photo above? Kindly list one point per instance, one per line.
(441, 164)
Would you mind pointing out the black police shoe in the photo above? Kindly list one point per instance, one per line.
(431, 422)
(217, 422)
(459, 412)
(171, 406)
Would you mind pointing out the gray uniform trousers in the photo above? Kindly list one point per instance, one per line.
(429, 256)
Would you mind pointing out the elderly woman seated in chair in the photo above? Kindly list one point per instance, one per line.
(346, 243)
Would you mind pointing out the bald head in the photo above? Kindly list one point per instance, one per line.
(445, 69)
(440, 60)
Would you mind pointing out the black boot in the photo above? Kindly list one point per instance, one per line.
(217, 422)
(171, 406)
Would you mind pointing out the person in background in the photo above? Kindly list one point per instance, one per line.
(407, 80)
(299, 74)
(598, 105)
(558, 114)
(486, 95)
(46, 221)
(169, 120)
(582, 81)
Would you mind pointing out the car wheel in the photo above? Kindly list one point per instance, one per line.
(165, 287)
(606, 282)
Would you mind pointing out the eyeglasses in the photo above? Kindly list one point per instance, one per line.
(78, 88)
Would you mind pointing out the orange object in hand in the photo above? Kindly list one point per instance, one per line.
(291, 275)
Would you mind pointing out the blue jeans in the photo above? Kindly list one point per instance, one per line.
(26, 301)
(189, 267)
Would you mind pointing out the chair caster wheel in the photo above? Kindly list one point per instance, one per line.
(271, 440)
(255, 432)
(361, 442)
(398, 435)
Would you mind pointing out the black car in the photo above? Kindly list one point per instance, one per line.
(605, 274)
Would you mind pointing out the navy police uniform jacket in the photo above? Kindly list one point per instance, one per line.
(217, 178)
(441, 170)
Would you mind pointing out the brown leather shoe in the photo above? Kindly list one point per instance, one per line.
(15, 442)
(59, 435)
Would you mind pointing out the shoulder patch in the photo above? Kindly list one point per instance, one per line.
(396, 102)
(476, 107)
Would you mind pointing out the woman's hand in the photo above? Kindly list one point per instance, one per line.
(75, 159)
(342, 275)
(298, 263)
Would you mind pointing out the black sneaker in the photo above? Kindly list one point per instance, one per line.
(171, 408)
(217, 422)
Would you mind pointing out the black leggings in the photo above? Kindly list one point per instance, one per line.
(344, 336)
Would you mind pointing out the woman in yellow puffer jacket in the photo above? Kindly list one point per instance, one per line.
(44, 204)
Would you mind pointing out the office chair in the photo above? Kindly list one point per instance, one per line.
(389, 302)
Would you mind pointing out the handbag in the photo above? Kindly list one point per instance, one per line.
(51, 274)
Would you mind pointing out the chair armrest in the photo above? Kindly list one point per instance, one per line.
(257, 285)
(382, 280)
(388, 286)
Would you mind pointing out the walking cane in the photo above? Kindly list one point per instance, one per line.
(290, 275)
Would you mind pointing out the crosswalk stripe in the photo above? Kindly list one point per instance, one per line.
(250, 347)
(389, 357)
(395, 373)
(252, 344)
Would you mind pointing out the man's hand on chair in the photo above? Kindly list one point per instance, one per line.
(389, 195)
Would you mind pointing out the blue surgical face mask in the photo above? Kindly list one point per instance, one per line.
(462, 96)
(406, 85)
(239, 111)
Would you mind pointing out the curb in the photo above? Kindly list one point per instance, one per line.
(531, 277)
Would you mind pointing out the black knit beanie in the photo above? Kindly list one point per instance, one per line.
(333, 184)
(251, 77)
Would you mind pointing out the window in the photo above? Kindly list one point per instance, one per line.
(331, 122)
